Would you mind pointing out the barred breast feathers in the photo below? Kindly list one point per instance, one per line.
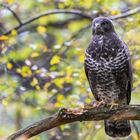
(117, 62)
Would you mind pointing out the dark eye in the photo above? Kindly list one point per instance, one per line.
(103, 23)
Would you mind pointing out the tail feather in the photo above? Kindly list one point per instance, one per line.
(117, 128)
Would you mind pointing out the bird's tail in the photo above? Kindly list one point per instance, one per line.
(117, 128)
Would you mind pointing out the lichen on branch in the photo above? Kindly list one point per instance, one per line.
(88, 113)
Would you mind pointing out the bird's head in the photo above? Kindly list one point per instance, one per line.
(102, 25)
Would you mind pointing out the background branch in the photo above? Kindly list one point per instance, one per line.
(136, 129)
(88, 113)
(126, 14)
(51, 12)
(74, 12)
(13, 13)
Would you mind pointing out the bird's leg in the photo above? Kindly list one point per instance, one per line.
(100, 103)
(90, 105)
(113, 104)
(95, 104)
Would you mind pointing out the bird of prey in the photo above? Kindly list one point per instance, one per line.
(108, 70)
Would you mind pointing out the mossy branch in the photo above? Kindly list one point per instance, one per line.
(88, 113)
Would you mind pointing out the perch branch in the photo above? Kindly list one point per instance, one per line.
(88, 113)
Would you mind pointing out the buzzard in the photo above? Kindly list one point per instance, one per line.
(108, 70)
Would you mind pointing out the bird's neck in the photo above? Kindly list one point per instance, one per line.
(103, 46)
(105, 35)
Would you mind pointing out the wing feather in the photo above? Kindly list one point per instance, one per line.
(92, 81)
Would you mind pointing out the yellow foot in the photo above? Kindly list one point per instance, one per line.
(88, 106)
(95, 104)
(113, 105)
(100, 104)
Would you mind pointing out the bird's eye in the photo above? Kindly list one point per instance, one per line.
(103, 23)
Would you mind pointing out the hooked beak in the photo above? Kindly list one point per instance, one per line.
(97, 25)
(98, 28)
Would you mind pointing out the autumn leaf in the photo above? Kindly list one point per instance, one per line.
(137, 64)
(60, 97)
(57, 105)
(45, 49)
(135, 136)
(88, 100)
(9, 65)
(81, 58)
(37, 87)
(4, 37)
(55, 60)
(34, 82)
(13, 33)
(5, 102)
(41, 29)
(10, 1)
(115, 12)
(34, 54)
(25, 71)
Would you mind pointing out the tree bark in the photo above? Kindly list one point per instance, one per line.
(88, 113)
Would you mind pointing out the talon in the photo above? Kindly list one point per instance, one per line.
(95, 104)
(87, 106)
(113, 104)
(100, 103)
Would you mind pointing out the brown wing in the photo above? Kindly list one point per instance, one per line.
(123, 77)
(92, 81)
(129, 80)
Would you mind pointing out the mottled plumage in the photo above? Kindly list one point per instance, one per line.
(108, 70)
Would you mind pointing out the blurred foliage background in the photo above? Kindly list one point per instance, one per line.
(41, 64)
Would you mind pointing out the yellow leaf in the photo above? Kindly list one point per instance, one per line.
(10, 1)
(18, 70)
(12, 40)
(14, 33)
(34, 54)
(46, 86)
(24, 71)
(98, 1)
(4, 102)
(34, 82)
(55, 60)
(114, 12)
(87, 3)
(3, 37)
(134, 136)
(9, 65)
(57, 105)
(68, 79)
(81, 58)
(37, 87)
(43, 20)
(88, 100)
(137, 64)
(45, 49)
(60, 97)
(58, 82)
(134, 2)
(41, 29)
(61, 5)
